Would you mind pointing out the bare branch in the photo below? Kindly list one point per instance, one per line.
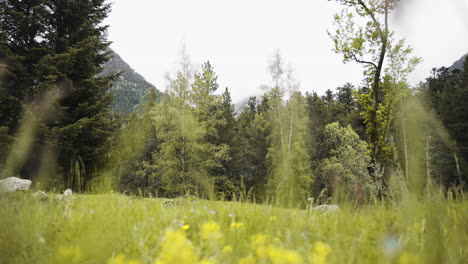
(363, 61)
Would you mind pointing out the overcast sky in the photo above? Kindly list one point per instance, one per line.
(239, 38)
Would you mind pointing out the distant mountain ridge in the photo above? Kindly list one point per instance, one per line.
(458, 64)
(130, 88)
(241, 104)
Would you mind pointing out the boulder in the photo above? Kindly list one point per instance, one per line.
(68, 192)
(67, 195)
(41, 195)
(327, 208)
(12, 184)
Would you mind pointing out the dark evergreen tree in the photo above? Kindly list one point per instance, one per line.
(252, 147)
(454, 108)
(227, 131)
(446, 93)
(58, 48)
(22, 45)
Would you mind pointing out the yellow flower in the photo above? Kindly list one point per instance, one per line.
(408, 258)
(69, 254)
(176, 248)
(121, 259)
(236, 225)
(248, 260)
(258, 240)
(185, 227)
(321, 248)
(278, 255)
(273, 218)
(210, 230)
(227, 249)
(320, 252)
(206, 261)
(284, 256)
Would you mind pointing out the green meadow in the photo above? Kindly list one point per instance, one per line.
(113, 228)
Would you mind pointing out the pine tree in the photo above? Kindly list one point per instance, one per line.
(22, 25)
(454, 110)
(251, 149)
(209, 113)
(227, 131)
(60, 46)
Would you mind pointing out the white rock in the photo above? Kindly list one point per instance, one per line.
(327, 208)
(68, 192)
(40, 195)
(12, 184)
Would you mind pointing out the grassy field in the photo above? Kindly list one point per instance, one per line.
(112, 228)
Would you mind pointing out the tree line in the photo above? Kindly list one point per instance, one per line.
(359, 143)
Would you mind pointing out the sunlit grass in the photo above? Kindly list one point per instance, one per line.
(113, 228)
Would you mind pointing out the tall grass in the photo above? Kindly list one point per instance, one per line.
(97, 228)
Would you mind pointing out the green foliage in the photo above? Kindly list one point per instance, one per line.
(194, 131)
(343, 171)
(251, 148)
(177, 160)
(446, 92)
(363, 36)
(289, 172)
(453, 107)
(130, 154)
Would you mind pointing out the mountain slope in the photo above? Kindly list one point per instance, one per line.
(458, 64)
(130, 88)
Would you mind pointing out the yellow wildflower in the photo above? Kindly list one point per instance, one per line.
(273, 218)
(185, 227)
(121, 259)
(258, 240)
(284, 256)
(278, 255)
(69, 254)
(206, 261)
(176, 248)
(248, 260)
(210, 230)
(236, 225)
(320, 252)
(408, 258)
(227, 249)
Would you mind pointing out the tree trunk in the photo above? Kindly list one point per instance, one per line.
(405, 142)
(428, 163)
(458, 167)
(291, 128)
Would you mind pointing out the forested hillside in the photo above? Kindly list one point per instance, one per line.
(130, 88)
